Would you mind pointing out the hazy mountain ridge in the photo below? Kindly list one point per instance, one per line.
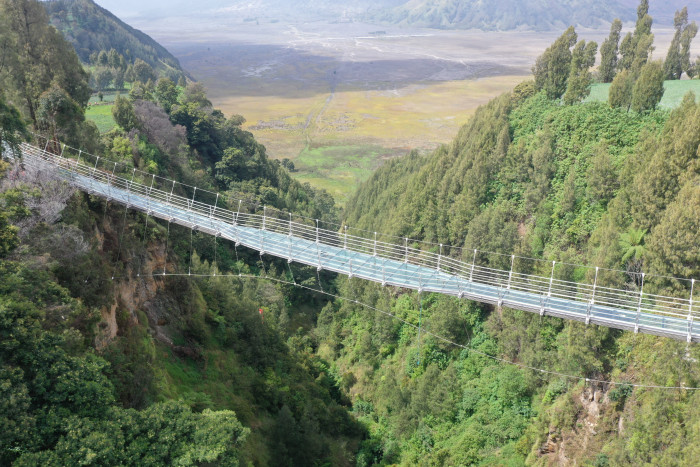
(504, 14)
(444, 14)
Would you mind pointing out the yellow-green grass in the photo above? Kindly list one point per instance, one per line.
(338, 169)
(673, 92)
(102, 116)
(336, 143)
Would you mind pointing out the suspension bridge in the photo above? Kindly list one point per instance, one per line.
(387, 260)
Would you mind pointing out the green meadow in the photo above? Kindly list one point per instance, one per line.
(673, 92)
(339, 169)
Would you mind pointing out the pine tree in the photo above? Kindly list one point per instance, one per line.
(620, 93)
(553, 67)
(579, 82)
(643, 25)
(649, 88)
(626, 53)
(642, 52)
(102, 58)
(687, 37)
(608, 52)
(672, 64)
(635, 48)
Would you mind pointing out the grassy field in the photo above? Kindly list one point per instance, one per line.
(102, 116)
(338, 141)
(338, 168)
(673, 92)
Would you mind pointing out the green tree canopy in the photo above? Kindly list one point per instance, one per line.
(168, 433)
(580, 78)
(58, 114)
(678, 56)
(553, 67)
(36, 56)
(649, 87)
(166, 93)
(608, 53)
(636, 47)
(620, 92)
(12, 128)
(689, 33)
(123, 113)
(142, 71)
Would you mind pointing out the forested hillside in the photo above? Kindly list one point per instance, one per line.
(105, 361)
(534, 176)
(100, 361)
(91, 29)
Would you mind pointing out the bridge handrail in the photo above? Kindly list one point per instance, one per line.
(549, 286)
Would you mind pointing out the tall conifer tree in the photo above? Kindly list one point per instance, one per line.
(608, 52)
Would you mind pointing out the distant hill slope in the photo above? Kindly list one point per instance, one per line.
(91, 28)
(505, 14)
(447, 14)
(663, 10)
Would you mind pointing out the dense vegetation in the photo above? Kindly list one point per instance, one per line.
(91, 29)
(141, 370)
(75, 392)
(583, 183)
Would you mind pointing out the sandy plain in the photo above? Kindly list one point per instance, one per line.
(340, 98)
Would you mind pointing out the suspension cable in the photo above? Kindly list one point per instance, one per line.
(469, 348)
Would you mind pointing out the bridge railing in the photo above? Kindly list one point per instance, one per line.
(643, 293)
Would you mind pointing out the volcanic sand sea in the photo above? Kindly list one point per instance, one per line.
(338, 99)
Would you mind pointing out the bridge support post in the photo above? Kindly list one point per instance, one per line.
(639, 307)
(374, 251)
(75, 166)
(235, 221)
(110, 181)
(172, 189)
(383, 274)
(345, 240)
(549, 290)
(128, 188)
(471, 270)
(289, 240)
(439, 258)
(592, 302)
(318, 249)
(405, 245)
(191, 204)
(150, 189)
(94, 171)
(264, 217)
(212, 212)
(510, 274)
(690, 311)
